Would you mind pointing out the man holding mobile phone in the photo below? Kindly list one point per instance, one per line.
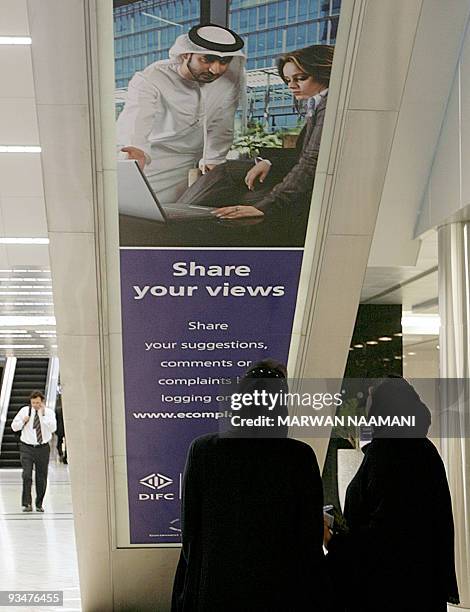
(37, 424)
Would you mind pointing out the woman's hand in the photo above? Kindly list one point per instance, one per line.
(237, 212)
(259, 171)
(327, 533)
(205, 168)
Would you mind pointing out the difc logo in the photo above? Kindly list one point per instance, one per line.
(156, 482)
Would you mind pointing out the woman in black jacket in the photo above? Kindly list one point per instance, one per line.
(276, 191)
(252, 520)
(399, 553)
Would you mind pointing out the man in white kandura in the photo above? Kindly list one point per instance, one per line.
(37, 424)
(179, 113)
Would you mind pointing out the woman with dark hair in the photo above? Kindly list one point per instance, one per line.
(399, 553)
(252, 518)
(276, 189)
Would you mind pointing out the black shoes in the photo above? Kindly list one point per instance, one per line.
(30, 509)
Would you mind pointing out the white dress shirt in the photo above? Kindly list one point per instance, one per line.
(28, 433)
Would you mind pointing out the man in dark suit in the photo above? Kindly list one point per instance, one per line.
(36, 433)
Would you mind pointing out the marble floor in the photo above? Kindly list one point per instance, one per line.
(37, 551)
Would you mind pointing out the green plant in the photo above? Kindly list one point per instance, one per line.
(255, 137)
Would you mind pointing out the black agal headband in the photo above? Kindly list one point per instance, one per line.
(215, 38)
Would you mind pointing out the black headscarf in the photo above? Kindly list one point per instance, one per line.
(395, 397)
(270, 376)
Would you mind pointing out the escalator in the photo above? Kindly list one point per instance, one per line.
(30, 375)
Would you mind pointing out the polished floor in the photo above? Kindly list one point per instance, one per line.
(37, 551)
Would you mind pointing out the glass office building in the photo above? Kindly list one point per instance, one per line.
(145, 30)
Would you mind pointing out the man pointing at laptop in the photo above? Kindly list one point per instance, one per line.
(179, 112)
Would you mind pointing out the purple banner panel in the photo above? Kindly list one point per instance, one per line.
(192, 322)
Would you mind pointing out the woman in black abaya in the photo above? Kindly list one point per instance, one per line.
(252, 518)
(399, 553)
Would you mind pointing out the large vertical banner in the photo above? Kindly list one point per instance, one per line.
(218, 134)
(193, 319)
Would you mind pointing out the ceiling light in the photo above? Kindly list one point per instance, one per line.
(385, 339)
(438, 347)
(19, 149)
(358, 346)
(397, 357)
(15, 40)
(411, 353)
(420, 324)
(16, 336)
(26, 303)
(351, 348)
(24, 240)
(371, 342)
(23, 346)
(25, 286)
(22, 279)
(22, 320)
(17, 270)
(398, 334)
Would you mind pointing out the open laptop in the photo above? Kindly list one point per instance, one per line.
(137, 198)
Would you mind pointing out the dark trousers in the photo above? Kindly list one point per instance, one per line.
(39, 457)
(225, 186)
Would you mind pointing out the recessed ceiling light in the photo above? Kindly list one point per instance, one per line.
(371, 342)
(398, 357)
(24, 240)
(438, 347)
(26, 303)
(24, 320)
(23, 346)
(15, 40)
(385, 339)
(25, 286)
(22, 279)
(411, 353)
(351, 348)
(420, 324)
(15, 336)
(25, 292)
(398, 334)
(18, 271)
(19, 149)
(358, 346)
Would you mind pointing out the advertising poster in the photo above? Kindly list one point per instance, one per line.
(218, 134)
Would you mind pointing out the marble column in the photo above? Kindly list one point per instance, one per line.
(454, 308)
